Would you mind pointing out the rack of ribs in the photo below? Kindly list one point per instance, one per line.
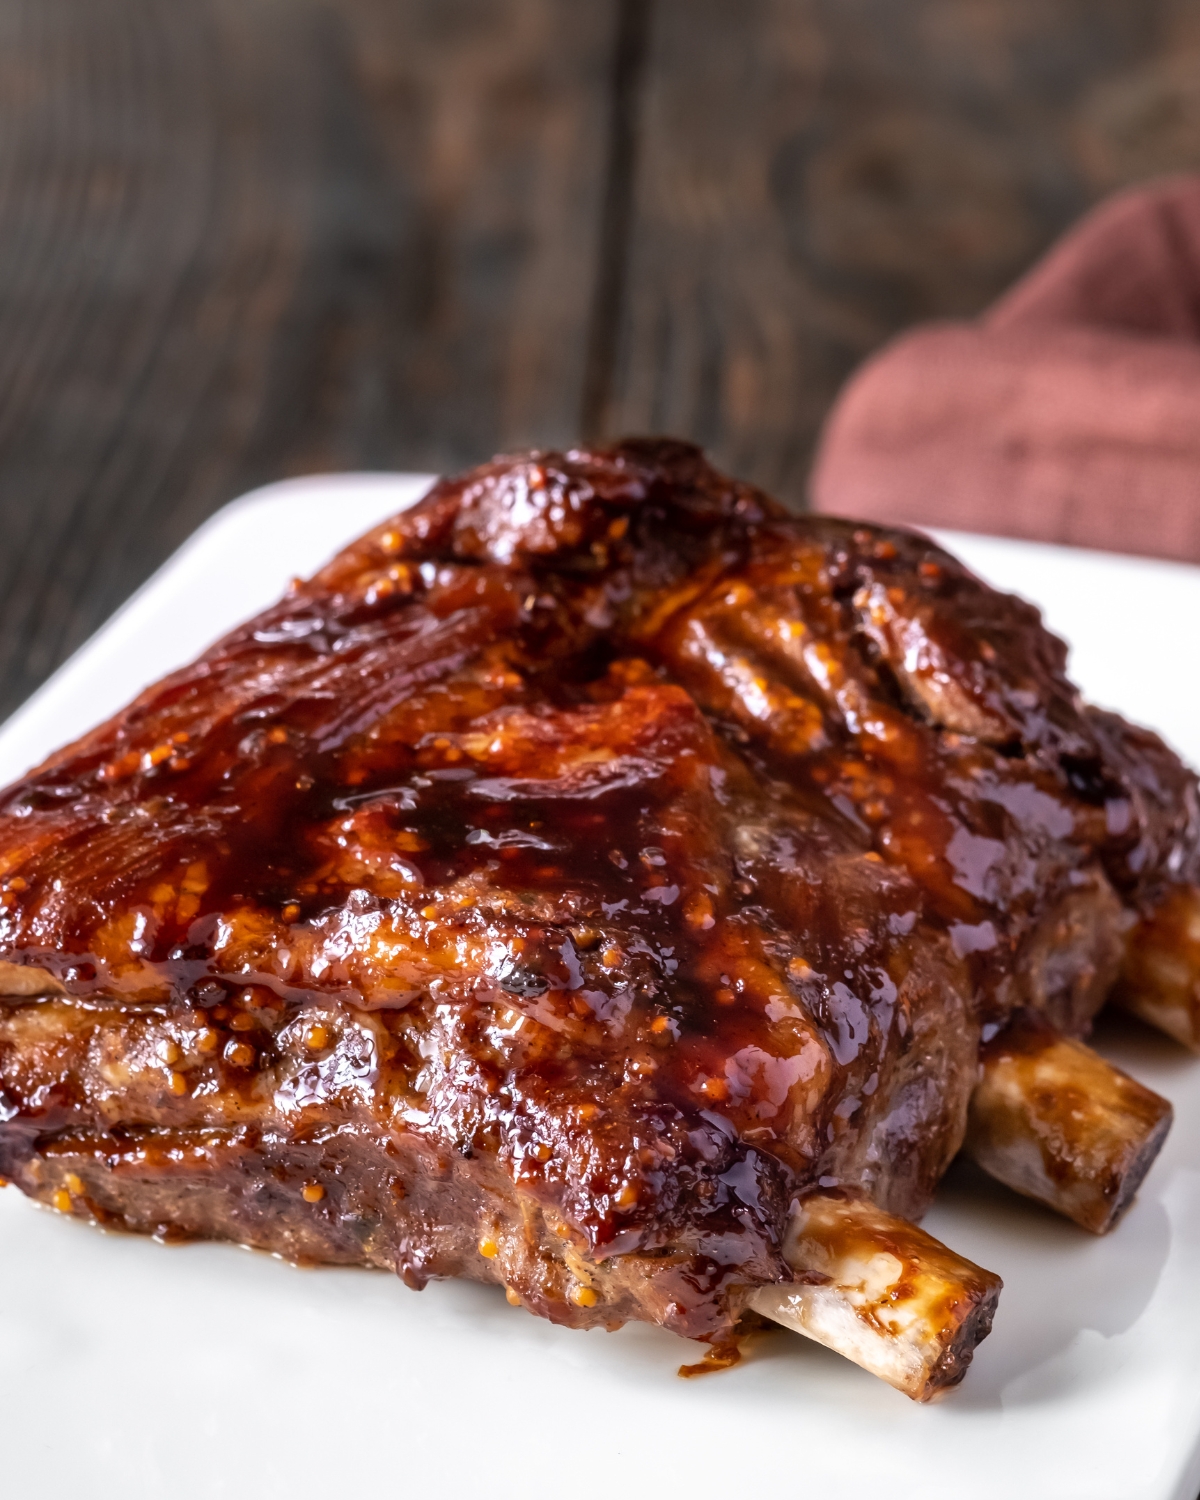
(601, 882)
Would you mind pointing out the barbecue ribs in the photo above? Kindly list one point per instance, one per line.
(590, 881)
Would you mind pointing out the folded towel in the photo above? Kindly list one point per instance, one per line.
(1069, 413)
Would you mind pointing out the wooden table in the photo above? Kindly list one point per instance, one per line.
(241, 239)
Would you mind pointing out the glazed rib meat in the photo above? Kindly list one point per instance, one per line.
(584, 868)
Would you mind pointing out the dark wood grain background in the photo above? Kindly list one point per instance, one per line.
(241, 239)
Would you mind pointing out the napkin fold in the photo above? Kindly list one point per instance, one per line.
(1070, 412)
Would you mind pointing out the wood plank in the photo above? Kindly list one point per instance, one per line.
(246, 238)
(815, 174)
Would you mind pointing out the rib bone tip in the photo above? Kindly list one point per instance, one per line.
(883, 1293)
(1057, 1123)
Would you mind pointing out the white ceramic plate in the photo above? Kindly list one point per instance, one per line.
(132, 1370)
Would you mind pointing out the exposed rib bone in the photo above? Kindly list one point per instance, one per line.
(883, 1293)
(1160, 980)
(1056, 1122)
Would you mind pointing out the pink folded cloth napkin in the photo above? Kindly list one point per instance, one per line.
(1069, 413)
